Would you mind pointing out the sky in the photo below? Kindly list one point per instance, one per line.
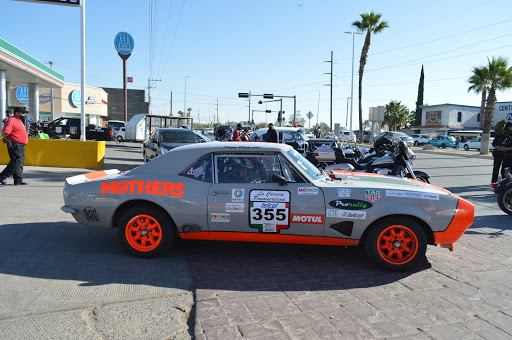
(217, 49)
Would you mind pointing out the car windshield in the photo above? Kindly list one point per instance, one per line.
(305, 165)
(178, 136)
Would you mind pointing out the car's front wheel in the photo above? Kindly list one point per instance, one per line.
(146, 231)
(396, 244)
(466, 147)
(443, 145)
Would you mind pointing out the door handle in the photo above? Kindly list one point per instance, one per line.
(219, 192)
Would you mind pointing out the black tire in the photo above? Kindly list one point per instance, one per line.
(505, 200)
(404, 236)
(95, 138)
(466, 147)
(416, 143)
(146, 231)
(119, 139)
(443, 145)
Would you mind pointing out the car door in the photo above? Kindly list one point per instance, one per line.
(152, 145)
(245, 207)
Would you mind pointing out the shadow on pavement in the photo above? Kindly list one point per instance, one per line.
(276, 267)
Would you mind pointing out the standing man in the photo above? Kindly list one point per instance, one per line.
(499, 155)
(457, 142)
(15, 135)
(271, 134)
(236, 133)
(8, 114)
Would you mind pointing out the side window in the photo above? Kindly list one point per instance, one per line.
(244, 168)
(62, 122)
(288, 172)
(459, 117)
(200, 170)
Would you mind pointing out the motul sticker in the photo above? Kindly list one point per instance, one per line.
(235, 207)
(308, 191)
(237, 195)
(355, 215)
(307, 219)
(219, 217)
(373, 195)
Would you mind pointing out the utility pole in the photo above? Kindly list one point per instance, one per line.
(51, 93)
(217, 111)
(331, 61)
(170, 114)
(149, 93)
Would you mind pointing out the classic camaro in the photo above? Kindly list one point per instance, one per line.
(266, 192)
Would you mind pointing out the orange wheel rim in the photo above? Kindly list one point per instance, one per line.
(143, 233)
(397, 244)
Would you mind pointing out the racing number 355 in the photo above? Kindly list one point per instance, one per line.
(268, 214)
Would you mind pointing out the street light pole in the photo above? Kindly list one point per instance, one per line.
(352, 82)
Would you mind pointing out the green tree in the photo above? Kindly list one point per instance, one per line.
(419, 102)
(498, 128)
(189, 110)
(370, 22)
(324, 128)
(411, 119)
(500, 78)
(298, 119)
(480, 84)
(395, 115)
(180, 113)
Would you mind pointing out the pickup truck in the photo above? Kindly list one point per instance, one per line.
(69, 127)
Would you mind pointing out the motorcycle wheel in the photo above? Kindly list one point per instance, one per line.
(505, 200)
(423, 179)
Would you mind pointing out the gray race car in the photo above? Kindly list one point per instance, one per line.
(266, 192)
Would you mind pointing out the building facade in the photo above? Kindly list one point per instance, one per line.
(136, 103)
(439, 119)
(66, 102)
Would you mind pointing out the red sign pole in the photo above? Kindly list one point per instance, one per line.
(125, 57)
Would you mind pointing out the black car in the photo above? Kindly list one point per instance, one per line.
(164, 139)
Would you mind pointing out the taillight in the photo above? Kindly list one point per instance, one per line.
(315, 154)
(110, 132)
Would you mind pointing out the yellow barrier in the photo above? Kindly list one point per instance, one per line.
(60, 153)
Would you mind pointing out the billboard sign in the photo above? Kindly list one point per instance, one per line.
(22, 94)
(433, 118)
(123, 42)
(75, 97)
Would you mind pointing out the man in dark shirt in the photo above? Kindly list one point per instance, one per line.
(271, 134)
(499, 155)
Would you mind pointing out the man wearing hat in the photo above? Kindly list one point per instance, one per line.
(15, 135)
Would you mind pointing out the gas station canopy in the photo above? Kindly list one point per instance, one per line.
(21, 68)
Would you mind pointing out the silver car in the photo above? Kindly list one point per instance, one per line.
(266, 192)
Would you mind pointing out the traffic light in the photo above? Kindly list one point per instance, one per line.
(280, 116)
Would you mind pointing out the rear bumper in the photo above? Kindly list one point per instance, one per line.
(463, 218)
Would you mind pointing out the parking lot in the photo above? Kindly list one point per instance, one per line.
(62, 280)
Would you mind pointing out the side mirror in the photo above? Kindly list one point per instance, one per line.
(279, 179)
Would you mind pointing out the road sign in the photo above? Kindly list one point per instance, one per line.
(129, 79)
(123, 43)
(309, 115)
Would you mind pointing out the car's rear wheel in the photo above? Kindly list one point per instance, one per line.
(396, 244)
(119, 139)
(146, 231)
(416, 143)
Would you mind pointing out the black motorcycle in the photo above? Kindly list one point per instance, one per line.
(504, 191)
(393, 158)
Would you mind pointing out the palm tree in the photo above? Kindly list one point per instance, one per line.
(500, 78)
(480, 83)
(188, 111)
(396, 115)
(370, 22)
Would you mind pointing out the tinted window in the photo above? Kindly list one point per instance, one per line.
(178, 136)
(246, 168)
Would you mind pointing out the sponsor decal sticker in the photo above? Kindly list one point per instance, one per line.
(307, 219)
(270, 196)
(142, 187)
(349, 204)
(355, 215)
(237, 195)
(344, 192)
(362, 178)
(91, 215)
(269, 210)
(308, 191)
(410, 194)
(235, 207)
(373, 195)
(219, 217)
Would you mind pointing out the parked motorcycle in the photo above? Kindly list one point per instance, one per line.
(388, 159)
(504, 191)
